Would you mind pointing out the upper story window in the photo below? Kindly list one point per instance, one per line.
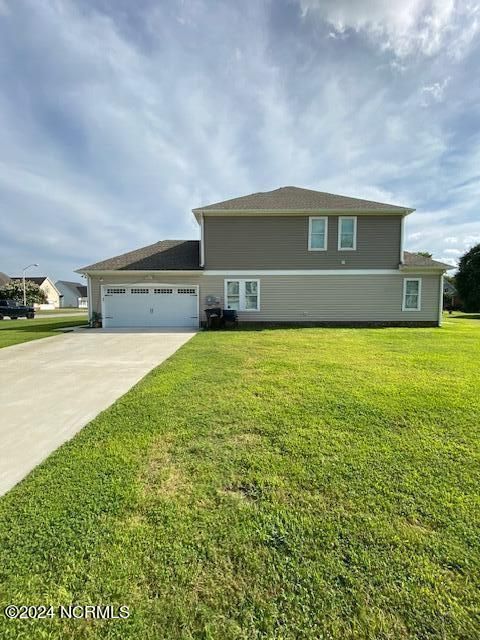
(347, 233)
(412, 292)
(242, 295)
(317, 233)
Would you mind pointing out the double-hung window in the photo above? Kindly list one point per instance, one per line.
(347, 233)
(317, 233)
(242, 295)
(412, 292)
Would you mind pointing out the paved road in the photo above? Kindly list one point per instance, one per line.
(52, 387)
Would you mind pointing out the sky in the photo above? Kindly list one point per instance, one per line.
(118, 117)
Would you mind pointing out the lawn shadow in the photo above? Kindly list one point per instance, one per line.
(36, 328)
(252, 326)
(465, 316)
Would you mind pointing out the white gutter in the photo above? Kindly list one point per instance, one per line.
(202, 246)
(89, 298)
(302, 212)
(440, 302)
(402, 236)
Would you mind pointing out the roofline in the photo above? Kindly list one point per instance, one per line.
(425, 268)
(403, 211)
(111, 272)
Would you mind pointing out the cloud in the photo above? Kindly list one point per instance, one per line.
(117, 121)
(434, 92)
(405, 28)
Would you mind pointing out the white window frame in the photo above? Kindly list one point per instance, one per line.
(339, 246)
(325, 244)
(419, 299)
(241, 291)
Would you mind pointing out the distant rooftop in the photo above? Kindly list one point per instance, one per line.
(416, 260)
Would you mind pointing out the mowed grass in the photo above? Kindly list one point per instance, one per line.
(17, 331)
(302, 483)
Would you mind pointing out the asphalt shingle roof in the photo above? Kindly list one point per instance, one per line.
(416, 260)
(75, 287)
(297, 199)
(36, 279)
(166, 255)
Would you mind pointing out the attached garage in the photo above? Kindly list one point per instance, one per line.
(149, 305)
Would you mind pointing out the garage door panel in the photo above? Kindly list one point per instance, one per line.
(153, 306)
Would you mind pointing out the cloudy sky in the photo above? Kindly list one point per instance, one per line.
(118, 117)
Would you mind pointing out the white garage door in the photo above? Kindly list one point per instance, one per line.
(150, 306)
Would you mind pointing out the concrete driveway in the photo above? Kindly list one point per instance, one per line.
(52, 387)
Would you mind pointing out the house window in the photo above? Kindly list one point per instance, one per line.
(317, 234)
(242, 295)
(187, 291)
(163, 290)
(412, 292)
(347, 233)
(139, 290)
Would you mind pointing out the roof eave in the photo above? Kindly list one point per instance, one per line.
(102, 272)
(403, 211)
(425, 268)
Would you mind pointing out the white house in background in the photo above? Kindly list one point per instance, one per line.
(47, 286)
(73, 294)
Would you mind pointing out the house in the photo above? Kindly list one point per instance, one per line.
(451, 298)
(4, 279)
(291, 255)
(72, 294)
(47, 286)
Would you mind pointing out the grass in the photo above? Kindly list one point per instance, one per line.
(46, 312)
(17, 331)
(302, 483)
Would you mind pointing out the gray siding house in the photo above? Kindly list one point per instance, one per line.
(290, 255)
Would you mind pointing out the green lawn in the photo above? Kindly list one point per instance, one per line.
(287, 484)
(47, 312)
(16, 331)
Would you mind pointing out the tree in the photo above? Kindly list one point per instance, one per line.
(467, 279)
(14, 291)
(425, 254)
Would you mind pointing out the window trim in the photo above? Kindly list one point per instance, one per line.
(325, 243)
(419, 298)
(339, 243)
(241, 293)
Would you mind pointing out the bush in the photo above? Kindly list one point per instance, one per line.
(14, 291)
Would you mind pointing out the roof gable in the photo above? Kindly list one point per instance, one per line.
(298, 199)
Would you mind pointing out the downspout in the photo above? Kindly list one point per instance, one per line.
(440, 301)
(202, 241)
(402, 235)
(89, 299)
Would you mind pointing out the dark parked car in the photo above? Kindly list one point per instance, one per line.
(13, 310)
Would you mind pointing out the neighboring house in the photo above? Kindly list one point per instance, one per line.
(4, 279)
(450, 296)
(285, 256)
(46, 285)
(72, 294)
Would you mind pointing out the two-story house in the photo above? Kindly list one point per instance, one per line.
(290, 255)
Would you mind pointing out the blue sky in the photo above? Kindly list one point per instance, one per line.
(118, 117)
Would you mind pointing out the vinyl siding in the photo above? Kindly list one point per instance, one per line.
(308, 298)
(281, 242)
(332, 298)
